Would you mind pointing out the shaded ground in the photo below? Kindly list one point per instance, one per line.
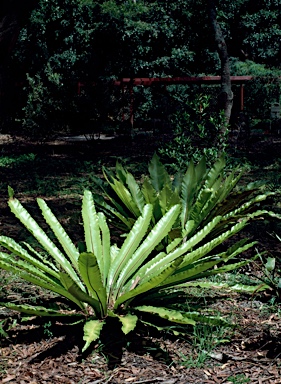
(42, 351)
(252, 354)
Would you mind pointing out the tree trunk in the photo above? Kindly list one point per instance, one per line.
(225, 99)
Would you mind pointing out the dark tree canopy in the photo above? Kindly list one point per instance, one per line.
(13, 16)
(68, 41)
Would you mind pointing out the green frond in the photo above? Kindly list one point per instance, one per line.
(129, 246)
(121, 172)
(129, 322)
(154, 237)
(21, 213)
(250, 289)
(27, 273)
(188, 189)
(113, 212)
(142, 287)
(245, 207)
(168, 314)
(105, 241)
(125, 196)
(209, 246)
(34, 310)
(158, 174)
(215, 172)
(135, 191)
(159, 262)
(92, 228)
(92, 330)
(167, 199)
(26, 266)
(63, 238)
(91, 276)
(18, 250)
(80, 295)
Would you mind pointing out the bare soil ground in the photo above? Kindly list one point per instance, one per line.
(40, 351)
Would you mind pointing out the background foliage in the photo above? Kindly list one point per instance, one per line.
(93, 42)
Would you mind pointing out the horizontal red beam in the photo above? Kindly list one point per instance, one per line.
(148, 81)
(179, 80)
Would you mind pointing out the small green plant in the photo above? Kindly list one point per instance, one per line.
(47, 329)
(8, 161)
(3, 333)
(197, 132)
(239, 379)
(204, 339)
(271, 275)
(131, 282)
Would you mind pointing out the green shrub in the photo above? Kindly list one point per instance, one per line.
(197, 132)
(261, 91)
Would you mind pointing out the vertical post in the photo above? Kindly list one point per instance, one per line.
(241, 97)
(123, 92)
(132, 105)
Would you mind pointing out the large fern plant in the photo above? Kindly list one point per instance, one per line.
(129, 282)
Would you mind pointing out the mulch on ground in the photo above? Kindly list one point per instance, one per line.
(253, 353)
